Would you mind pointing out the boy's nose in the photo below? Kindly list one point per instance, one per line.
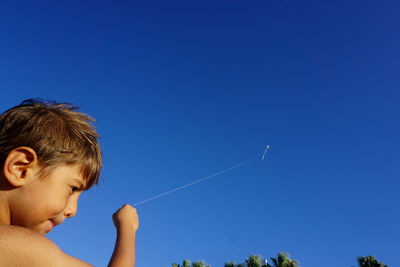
(72, 207)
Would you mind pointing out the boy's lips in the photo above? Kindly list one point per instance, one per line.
(49, 226)
(56, 222)
(52, 224)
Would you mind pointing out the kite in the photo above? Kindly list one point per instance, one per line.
(265, 151)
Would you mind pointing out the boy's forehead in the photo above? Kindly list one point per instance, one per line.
(73, 172)
(68, 172)
(77, 174)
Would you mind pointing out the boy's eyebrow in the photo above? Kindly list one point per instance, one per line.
(81, 185)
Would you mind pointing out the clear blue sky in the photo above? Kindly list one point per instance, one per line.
(182, 89)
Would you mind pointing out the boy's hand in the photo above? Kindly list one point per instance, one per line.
(126, 221)
(126, 217)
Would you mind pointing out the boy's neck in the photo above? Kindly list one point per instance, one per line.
(4, 209)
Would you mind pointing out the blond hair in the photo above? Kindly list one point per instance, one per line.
(59, 134)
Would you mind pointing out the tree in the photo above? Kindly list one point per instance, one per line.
(283, 260)
(230, 264)
(200, 264)
(253, 261)
(370, 261)
(186, 263)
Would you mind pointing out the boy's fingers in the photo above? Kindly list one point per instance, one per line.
(126, 216)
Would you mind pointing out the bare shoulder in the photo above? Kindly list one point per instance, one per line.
(23, 247)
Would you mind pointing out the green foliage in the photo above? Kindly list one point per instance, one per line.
(253, 261)
(283, 260)
(370, 261)
(186, 263)
(200, 264)
(230, 264)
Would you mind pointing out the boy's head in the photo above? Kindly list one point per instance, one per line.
(58, 134)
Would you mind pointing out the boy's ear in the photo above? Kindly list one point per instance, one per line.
(19, 164)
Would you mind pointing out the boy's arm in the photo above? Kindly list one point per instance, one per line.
(126, 221)
(23, 247)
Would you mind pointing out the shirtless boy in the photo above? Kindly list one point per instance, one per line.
(49, 155)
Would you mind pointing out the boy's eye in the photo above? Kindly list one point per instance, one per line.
(74, 189)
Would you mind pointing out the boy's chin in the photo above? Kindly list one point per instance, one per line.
(44, 228)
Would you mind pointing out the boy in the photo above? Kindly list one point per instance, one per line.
(49, 155)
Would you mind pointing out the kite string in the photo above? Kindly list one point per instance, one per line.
(197, 181)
